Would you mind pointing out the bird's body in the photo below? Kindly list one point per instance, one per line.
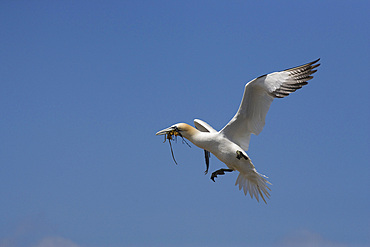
(218, 145)
(230, 144)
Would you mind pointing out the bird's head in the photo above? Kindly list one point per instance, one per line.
(180, 129)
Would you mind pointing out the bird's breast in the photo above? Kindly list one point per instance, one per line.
(221, 147)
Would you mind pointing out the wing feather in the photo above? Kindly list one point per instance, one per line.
(257, 98)
(203, 126)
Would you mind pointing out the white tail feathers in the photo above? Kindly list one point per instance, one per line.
(254, 183)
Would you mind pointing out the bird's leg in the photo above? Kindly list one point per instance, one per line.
(207, 156)
(240, 155)
(219, 172)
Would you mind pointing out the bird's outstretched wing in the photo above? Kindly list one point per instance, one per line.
(258, 96)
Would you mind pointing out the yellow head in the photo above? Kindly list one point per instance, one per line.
(180, 129)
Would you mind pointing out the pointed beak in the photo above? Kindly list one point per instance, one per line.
(165, 131)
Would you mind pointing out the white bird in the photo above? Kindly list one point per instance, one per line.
(230, 144)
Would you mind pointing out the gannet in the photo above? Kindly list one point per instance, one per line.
(230, 144)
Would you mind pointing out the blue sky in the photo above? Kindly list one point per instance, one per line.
(85, 85)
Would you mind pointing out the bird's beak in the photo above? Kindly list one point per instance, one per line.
(169, 130)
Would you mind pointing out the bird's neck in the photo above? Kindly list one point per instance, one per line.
(199, 138)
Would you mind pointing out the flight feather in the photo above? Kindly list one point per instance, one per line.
(257, 98)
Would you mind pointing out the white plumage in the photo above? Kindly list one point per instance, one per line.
(231, 143)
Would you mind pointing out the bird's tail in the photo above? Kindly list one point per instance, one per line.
(254, 183)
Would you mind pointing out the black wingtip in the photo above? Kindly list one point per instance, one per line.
(315, 65)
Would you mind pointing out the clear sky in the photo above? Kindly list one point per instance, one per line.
(85, 85)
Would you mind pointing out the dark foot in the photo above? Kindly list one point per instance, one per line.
(219, 172)
(240, 155)
(207, 155)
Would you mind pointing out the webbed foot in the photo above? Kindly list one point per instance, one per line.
(240, 155)
(219, 172)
